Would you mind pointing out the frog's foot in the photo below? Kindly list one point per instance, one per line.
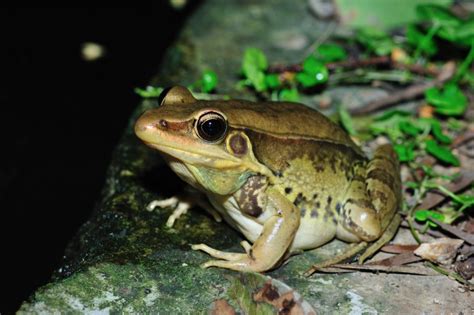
(348, 253)
(234, 261)
(220, 254)
(387, 235)
(181, 207)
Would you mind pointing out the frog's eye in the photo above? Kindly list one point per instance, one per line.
(211, 126)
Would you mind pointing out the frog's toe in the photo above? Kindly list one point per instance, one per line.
(217, 253)
(239, 265)
(246, 246)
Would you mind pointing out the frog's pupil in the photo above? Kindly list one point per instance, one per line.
(212, 129)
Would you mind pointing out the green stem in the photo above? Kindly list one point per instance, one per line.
(465, 64)
(452, 275)
(431, 32)
(413, 230)
(448, 193)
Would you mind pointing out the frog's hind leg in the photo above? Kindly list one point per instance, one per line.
(384, 190)
(368, 212)
(348, 253)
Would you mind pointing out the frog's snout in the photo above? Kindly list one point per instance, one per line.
(145, 125)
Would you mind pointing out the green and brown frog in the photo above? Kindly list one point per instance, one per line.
(283, 174)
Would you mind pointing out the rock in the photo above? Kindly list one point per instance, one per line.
(125, 259)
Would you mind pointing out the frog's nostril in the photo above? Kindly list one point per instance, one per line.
(163, 123)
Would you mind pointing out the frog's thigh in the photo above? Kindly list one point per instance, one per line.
(358, 218)
(277, 234)
(383, 183)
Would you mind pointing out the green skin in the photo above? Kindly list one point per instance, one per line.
(284, 175)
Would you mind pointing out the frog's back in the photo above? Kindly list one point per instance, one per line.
(287, 120)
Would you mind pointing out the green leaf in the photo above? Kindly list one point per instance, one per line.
(393, 112)
(306, 80)
(411, 184)
(253, 66)
(254, 58)
(424, 215)
(408, 128)
(437, 130)
(346, 120)
(442, 153)
(450, 27)
(437, 14)
(330, 52)
(149, 91)
(448, 101)
(375, 40)
(405, 152)
(466, 199)
(208, 81)
(315, 67)
(419, 40)
(289, 95)
(314, 72)
(389, 125)
(272, 81)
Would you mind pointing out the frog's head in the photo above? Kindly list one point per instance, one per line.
(199, 142)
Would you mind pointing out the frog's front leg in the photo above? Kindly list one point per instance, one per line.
(272, 244)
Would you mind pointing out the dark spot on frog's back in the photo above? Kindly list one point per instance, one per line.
(303, 212)
(338, 208)
(298, 199)
(288, 190)
(314, 213)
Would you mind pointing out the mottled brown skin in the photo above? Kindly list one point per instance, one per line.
(284, 175)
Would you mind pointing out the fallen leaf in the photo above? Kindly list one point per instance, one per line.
(397, 260)
(284, 303)
(442, 250)
(399, 248)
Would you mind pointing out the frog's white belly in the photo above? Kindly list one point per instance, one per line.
(310, 234)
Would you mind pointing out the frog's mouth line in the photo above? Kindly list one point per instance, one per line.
(197, 157)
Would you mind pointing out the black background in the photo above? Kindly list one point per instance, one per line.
(60, 120)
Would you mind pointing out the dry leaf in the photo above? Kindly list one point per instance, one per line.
(284, 303)
(442, 250)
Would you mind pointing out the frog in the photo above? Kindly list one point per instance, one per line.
(281, 173)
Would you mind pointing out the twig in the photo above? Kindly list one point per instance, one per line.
(463, 138)
(355, 63)
(359, 63)
(420, 227)
(422, 271)
(409, 93)
(452, 275)
(467, 237)
(432, 199)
